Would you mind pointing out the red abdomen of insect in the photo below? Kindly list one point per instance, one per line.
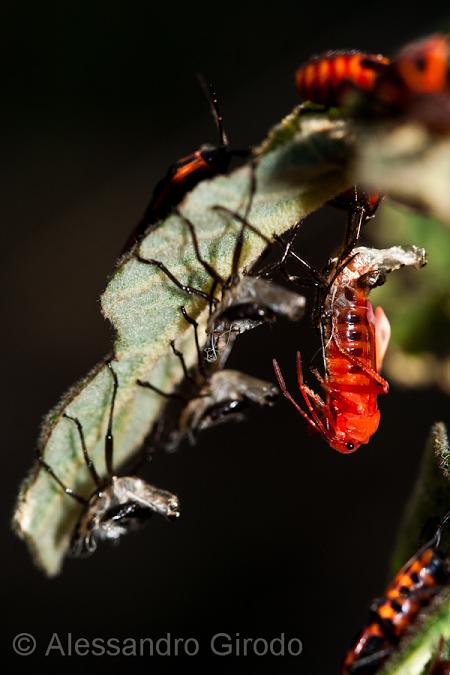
(326, 79)
(351, 361)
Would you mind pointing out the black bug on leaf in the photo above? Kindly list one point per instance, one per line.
(184, 174)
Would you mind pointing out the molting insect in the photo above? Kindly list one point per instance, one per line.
(354, 342)
(216, 396)
(413, 588)
(118, 504)
(245, 301)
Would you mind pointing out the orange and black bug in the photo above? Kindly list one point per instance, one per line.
(413, 588)
(419, 69)
(417, 85)
(328, 78)
(354, 341)
(184, 174)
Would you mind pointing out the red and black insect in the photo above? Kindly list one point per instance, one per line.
(328, 78)
(182, 176)
(413, 588)
(414, 84)
(419, 69)
(354, 342)
(417, 85)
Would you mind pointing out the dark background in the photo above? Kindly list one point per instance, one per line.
(279, 533)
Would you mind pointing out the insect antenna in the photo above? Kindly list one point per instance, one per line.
(109, 437)
(87, 458)
(213, 101)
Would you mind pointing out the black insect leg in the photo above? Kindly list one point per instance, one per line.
(211, 95)
(180, 356)
(87, 458)
(215, 276)
(190, 290)
(109, 437)
(374, 660)
(157, 390)
(67, 490)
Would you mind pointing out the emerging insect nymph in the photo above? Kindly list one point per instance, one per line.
(216, 396)
(354, 342)
(118, 504)
(413, 588)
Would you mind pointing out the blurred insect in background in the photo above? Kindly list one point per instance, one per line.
(418, 582)
(182, 176)
(415, 84)
(244, 300)
(119, 504)
(420, 68)
(354, 340)
(215, 396)
(329, 78)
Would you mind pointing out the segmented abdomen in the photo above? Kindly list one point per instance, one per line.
(353, 335)
(327, 78)
(411, 590)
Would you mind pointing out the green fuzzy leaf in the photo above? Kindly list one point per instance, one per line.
(409, 164)
(418, 309)
(418, 648)
(301, 166)
(430, 498)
